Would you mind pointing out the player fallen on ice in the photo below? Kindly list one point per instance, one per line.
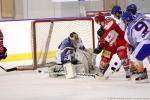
(113, 42)
(138, 36)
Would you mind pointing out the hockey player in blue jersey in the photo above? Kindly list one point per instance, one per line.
(67, 47)
(138, 36)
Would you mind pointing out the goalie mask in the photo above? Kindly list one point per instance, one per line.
(74, 38)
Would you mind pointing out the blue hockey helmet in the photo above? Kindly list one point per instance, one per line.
(127, 16)
(116, 9)
(132, 8)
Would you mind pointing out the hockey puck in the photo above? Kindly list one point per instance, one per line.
(39, 71)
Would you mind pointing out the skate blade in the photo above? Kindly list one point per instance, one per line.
(142, 81)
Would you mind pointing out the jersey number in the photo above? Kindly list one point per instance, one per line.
(139, 26)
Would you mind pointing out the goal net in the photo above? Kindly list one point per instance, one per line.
(47, 34)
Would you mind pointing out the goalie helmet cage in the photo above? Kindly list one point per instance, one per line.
(47, 35)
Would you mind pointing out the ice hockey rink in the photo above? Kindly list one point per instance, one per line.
(32, 85)
(35, 85)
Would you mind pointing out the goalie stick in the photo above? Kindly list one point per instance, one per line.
(63, 73)
(3, 68)
(8, 70)
(86, 74)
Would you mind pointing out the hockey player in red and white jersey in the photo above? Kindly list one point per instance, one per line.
(112, 39)
(115, 14)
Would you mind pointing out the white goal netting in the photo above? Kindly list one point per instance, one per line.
(47, 35)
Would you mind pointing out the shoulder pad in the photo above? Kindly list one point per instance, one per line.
(108, 24)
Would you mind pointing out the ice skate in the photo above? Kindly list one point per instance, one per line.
(100, 76)
(133, 70)
(128, 74)
(100, 73)
(56, 71)
(143, 77)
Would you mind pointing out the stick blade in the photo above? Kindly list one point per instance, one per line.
(3, 68)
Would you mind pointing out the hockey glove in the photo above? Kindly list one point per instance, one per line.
(98, 50)
(4, 54)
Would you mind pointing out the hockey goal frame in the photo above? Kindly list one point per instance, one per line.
(34, 42)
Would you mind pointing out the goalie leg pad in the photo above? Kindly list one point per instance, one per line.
(70, 70)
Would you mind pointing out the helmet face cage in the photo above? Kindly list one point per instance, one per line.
(116, 9)
(132, 8)
(127, 16)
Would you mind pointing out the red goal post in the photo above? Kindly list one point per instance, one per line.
(47, 34)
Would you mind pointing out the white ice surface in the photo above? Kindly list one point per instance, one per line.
(31, 85)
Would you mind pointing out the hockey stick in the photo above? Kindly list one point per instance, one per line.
(86, 74)
(3, 68)
(63, 73)
(8, 70)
